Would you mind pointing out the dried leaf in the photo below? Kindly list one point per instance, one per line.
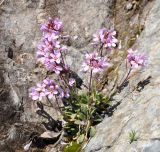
(49, 134)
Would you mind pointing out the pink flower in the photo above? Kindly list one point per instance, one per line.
(51, 36)
(38, 91)
(95, 63)
(71, 82)
(58, 25)
(52, 88)
(49, 54)
(52, 26)
(55, 57)
(48, 88)
(136, 60)
(106, 38)
(47, 45)
(63, 49)
(57, 68)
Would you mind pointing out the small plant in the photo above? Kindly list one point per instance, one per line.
(133, 136)
(80, 111)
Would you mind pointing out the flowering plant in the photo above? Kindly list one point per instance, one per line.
(80, 111)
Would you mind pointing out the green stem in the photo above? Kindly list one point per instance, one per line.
(87, 128)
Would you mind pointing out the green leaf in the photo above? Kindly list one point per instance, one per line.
(83, 98)
(109, 103)
(80, 139)
(92, 131)
(73, 147)
(84, 109)
(81, 116)
(93, 110)
(133, 136)
(106, 99)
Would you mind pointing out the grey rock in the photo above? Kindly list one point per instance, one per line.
(153, 147)
(85, 17)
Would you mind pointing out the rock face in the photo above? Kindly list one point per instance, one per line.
(140, 107)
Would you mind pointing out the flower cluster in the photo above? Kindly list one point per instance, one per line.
(46, 88)
(38, 92)
(50, 54)
(136, 60)
(94, 63)
(106, 38)
(50, 49)
(102, 39)
(53, 27)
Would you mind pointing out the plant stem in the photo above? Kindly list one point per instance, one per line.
(126, 77)
(62, 59)
(90, 81)
(59, 106)
(85, 86)
(101, 50)
(64, 80)
(87, 128)
(60, 138)
(50, 102)
(118, 87)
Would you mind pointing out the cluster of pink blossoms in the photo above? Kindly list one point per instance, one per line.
(106, 38)
(49, 49)
(50, 55)
(52, 28)
(94, 62)
(48, 88)
(102, 39)
(136, 60)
